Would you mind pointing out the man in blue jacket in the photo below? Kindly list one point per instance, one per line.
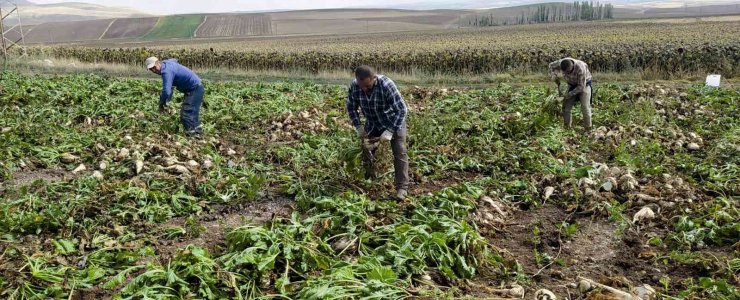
(185, 80)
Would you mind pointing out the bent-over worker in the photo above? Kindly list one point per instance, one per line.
(187, 82)
(379, 100)
(578, 77)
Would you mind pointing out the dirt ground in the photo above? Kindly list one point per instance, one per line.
(597, 251)
(591, 252)
(215, 225)
(24, 178)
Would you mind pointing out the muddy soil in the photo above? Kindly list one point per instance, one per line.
(24, 178)
(215, 225)
(95, 293)
(598, 250)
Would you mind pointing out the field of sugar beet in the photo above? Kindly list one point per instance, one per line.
(103, 197)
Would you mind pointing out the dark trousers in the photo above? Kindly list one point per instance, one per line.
(584, 98)
(190, 110)
(400, 157)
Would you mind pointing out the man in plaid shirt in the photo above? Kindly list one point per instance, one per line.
(578, 77)
(385, 113)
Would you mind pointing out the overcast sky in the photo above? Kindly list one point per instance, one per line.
(165, 7)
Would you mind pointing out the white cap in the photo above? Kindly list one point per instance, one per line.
(151, 61)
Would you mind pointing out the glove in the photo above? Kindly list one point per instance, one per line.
(386, 136)
(161, 108)
(360, 131)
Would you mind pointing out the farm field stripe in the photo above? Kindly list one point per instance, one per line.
(195, 33)
(106, 29)
(153, 28)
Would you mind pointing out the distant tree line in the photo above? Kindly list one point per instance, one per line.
(550, 13)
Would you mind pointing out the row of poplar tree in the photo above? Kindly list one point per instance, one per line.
(550, 13)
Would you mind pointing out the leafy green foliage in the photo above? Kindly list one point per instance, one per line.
(344, 240)
(717, 223)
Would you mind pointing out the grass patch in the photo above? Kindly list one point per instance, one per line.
(173, 27)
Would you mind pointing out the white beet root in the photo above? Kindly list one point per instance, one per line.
(79, 169)
(644, 215)
(545, 294)
(178, 169)
(68, 158)
(122, 154)
(548, 192)
(139, 166)
(207, 164)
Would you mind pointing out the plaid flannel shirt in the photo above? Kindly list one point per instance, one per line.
(383, 108)
(577, 79)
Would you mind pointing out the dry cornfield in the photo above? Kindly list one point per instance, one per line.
(667, 49)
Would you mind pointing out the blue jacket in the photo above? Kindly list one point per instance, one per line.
(178, 75)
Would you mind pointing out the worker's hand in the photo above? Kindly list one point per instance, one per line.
(162, 108)
(370, 143)
(386, 136)
(360, 131)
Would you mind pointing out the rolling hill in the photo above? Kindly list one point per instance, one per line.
(692, 11)
(242, 24)
(488, 4)
(33, 14)
(624, 12)
(94, 27)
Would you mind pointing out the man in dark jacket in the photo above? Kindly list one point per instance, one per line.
(379, 100)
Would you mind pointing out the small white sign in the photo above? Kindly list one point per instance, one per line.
(713, 80)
